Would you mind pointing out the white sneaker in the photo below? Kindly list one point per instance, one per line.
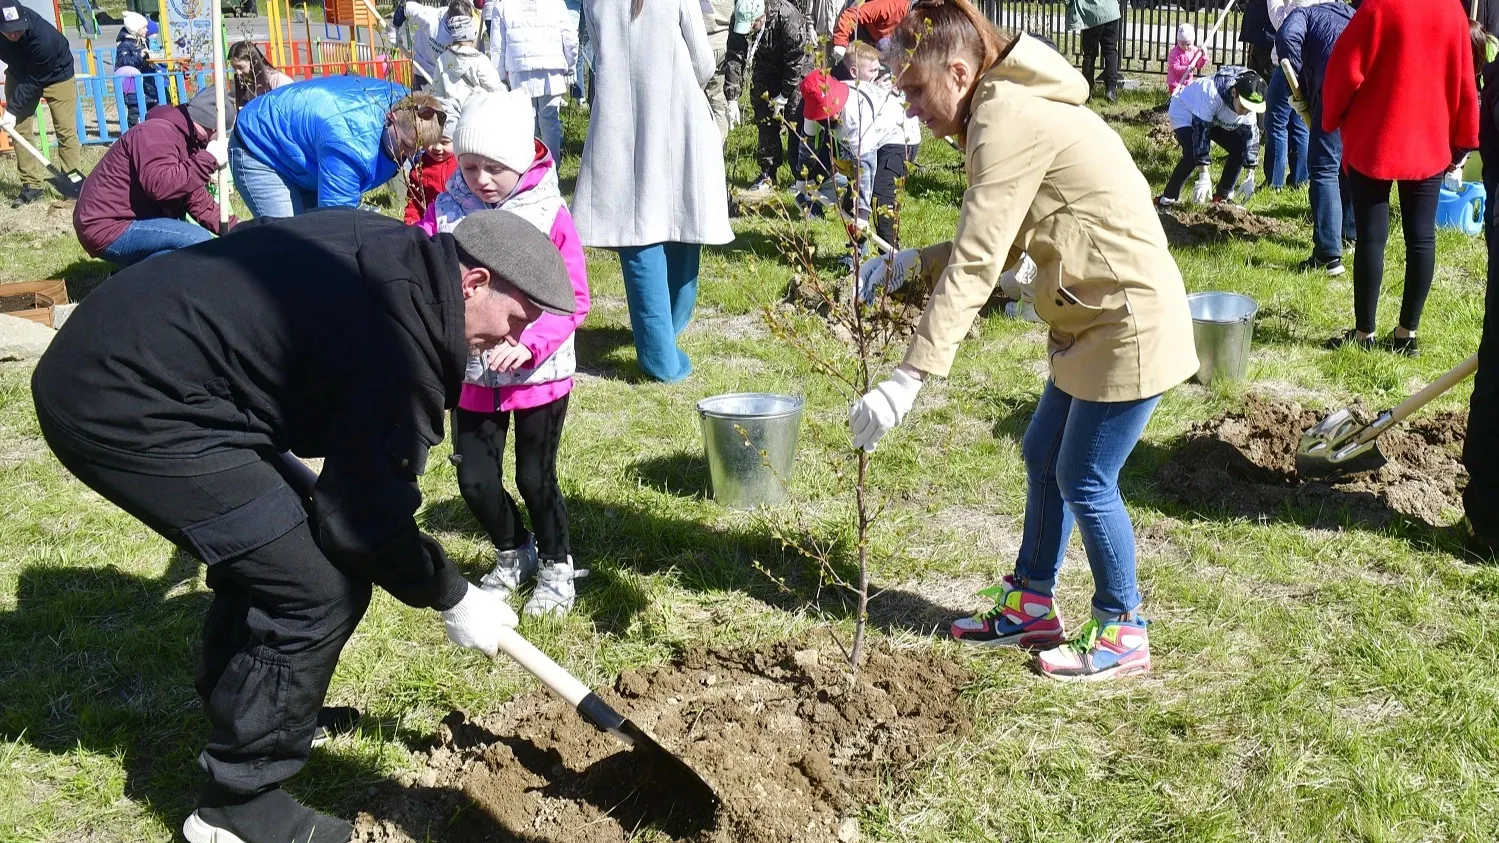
(511, 568)
(554, 594)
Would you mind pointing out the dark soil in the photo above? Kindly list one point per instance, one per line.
(794, 752)
(1245, 464)
(1204, 224)
(23, 301)
(1157, 123)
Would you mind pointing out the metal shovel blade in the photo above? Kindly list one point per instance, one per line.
(683, 781)
(1332, 448)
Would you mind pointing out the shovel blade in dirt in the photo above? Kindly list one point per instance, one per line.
(59, 180)
(689, 787)
(1341, 445)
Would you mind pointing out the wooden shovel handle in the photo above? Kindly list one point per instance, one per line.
(1456, 375)
(541, 666)
(15, 138)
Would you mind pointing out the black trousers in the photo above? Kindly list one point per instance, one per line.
(889, 170)
(1104, 38)
(1196, 142)
(772, 125)
(1481, 451)
(479, 443)
(1371, 219)
(281, 611)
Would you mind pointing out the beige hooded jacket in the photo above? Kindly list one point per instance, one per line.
(1048, 176)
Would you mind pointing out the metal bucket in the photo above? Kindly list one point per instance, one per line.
(1222, 326)
(750, 439)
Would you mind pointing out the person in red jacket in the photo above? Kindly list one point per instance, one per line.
(431, 178)
(131, 207)
(867, 20)
(1407, 107)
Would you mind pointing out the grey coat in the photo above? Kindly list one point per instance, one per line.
(652, 169)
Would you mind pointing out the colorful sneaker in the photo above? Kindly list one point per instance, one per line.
(1100, 651)
(1019, 618)
(511, 568)
(555, 593)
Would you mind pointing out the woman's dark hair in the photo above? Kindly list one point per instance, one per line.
(1480, 38)
(254, 83)
(937, 31)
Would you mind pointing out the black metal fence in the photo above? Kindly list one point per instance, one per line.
(1148, 30)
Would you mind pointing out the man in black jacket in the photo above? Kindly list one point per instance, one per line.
(781, 60)
(38, 63)
(177, 385)
(1480, 447)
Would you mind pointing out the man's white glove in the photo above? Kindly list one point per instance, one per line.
(1246, 188)
(735, 117)
(219, 149)
(1204, 190)
(838, 53)
(1300, 107)
(476, 621)
(7, 120)
(888, 273)
(877, 413)
(1017, 282)
(779, 103)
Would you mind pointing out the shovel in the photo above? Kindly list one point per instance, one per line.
(682, 779)
(1339, 445)
(59, 180)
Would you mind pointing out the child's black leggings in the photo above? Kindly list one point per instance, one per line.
(1371, 218)
(479, 442)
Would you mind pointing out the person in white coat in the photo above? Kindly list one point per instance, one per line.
(423, 25)
(534, 45)
(462, 70)
(651, 185)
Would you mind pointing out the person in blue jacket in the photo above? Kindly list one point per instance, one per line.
(322, 143)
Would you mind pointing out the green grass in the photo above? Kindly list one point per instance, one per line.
(1310, 685)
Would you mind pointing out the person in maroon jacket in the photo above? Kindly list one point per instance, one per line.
(133, 203)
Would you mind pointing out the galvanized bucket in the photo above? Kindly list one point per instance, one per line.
(1222, 326)
(750, 440)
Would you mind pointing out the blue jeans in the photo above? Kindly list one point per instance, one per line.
(1285, 135)
(148, 238)
(549, 125)
(1332, 205)
(661, 291)
(265, 191)
(1073, 451)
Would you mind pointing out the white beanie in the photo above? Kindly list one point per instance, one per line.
(135, 23)
(500, 127)
(1186, 34)
(462, 28)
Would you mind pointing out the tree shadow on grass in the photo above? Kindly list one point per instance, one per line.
(602, 352)
(99, 661)
(684, 474)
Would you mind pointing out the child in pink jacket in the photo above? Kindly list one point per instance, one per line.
(1184, 59)
(524, 386)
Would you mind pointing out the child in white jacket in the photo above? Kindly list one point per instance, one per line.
(461, 69)
(534, 45)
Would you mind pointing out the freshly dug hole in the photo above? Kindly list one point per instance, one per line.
(792, 749)
(1244, 463)
(1204, 224)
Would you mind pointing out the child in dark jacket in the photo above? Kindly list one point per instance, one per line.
(131, 51)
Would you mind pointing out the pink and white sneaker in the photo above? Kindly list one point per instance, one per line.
(1019, 618)
(1100, 651)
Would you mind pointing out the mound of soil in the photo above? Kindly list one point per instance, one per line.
(1157, 123)
(1203, 224)
(793, 750)
(1245, 463)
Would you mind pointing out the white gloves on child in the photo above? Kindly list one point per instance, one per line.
(219, 149)
(889, 273)
(7, 120)
(877, 413)
(1246, 188)
(838, 54)
(1453, 181)
(735, 117)
(1204, 189)
(1018, 281)
(476, 621)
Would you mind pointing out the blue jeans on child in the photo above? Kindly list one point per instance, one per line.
(265, 191)
(1332, 204)
(1073, 451)
(148, 238)
(661, 291)
(1285, 136)
(549, 124)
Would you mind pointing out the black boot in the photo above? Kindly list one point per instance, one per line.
(269, 817)
(27, 196)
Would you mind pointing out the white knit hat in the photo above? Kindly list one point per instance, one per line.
(462, 27)
(500, 127)
(1186, 34)
(135, 23)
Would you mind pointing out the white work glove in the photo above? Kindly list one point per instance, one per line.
(779, 103)
(476, 621)
(735, 117)
(1204, 190)
(1017, 281)
(838, 54)
(1246, 188)
(1453, 181)
(877, 413)
(7, 120)
(1300, 107)
(219, 149)
(888, 273)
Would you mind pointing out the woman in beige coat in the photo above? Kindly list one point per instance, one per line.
(1045, 176)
